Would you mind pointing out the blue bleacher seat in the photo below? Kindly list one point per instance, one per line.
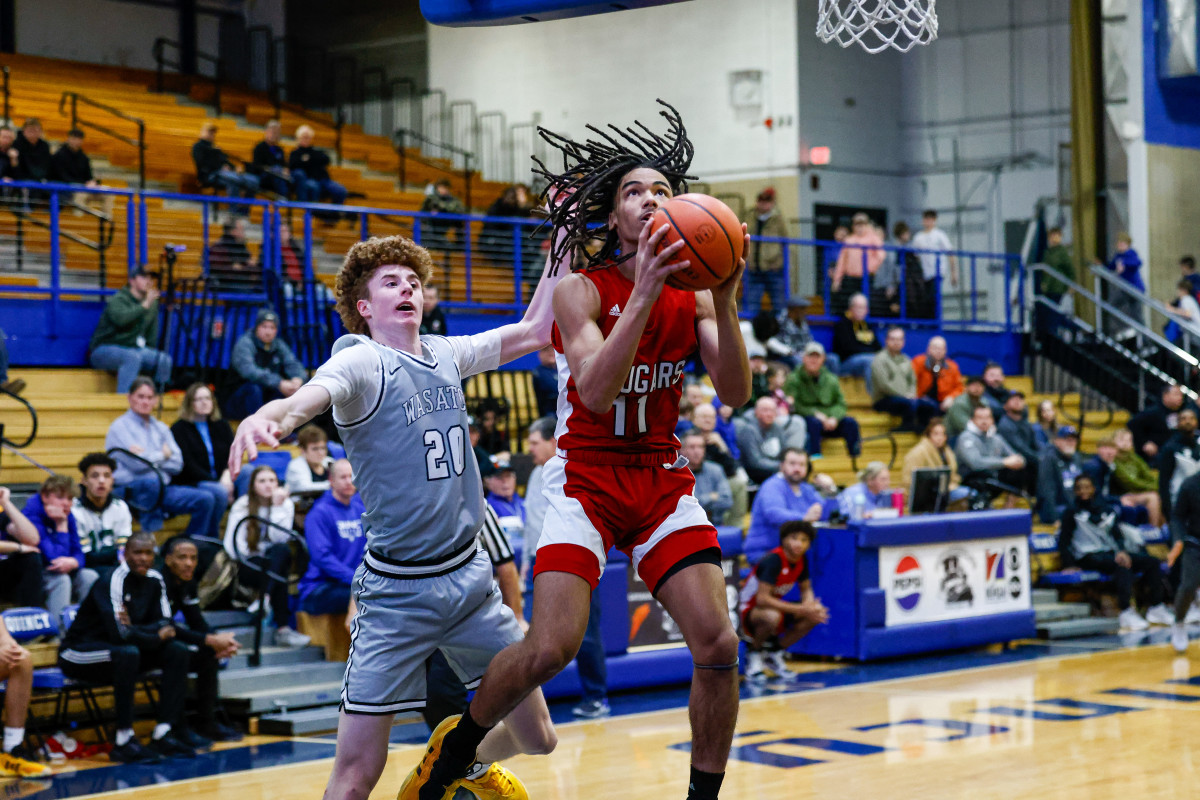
(29, 623)
(276, 460)
(336, 451)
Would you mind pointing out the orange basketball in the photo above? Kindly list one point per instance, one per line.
(713, 235)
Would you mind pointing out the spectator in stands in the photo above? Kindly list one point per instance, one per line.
(1132, 473)
(995, 393)
(936, 260)
(1128, 267)
(545, 382)
(291, 256)
(932, 451)
(1057, 470)
(180, 559)
(20, 558)
(16, 670)
(986, 462)
(764, 262)
(1016, 429)
(436, 233)
(901, 265)
(1091, 539)
(1187, 271)
(819, 399)
(789, 340)
(265, 546)
(541, 446)
(138, 482)
(499, 239)
(784, 497)
(336, 544)
(768, 620)
(491, 438)
(963, 407)
(309, 471)
(266, 366)
(830, 253)
(854, 342)
(863, 247)
(36, 161)
(1102, 469)
(1179, 459)
(102, 519)
(1058, 258)
(1187, 309)
(70, 164)
(1154, 425)
(309, 167)
(204, 438)
(1185, 542)
(124, 339)
(894, 385)
(500, 481)
(872, 492)
(712, 489)
(726, 455)
(231, 267)
(762, 440)
(10, 156)
(115, 643)
(269, 163)
(938, 377)
(1046, 423)
(65, 579)
(214, 168)
(433, 318)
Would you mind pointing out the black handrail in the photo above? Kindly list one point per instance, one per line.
(890, 438)
(244, 561)
(401, 139)
(76, 122)
(1081, 421)
(161, 61)
(4, 71)
(33, 416)
(162, 482)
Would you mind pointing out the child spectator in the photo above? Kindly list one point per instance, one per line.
(65, 578)
(336, 544)
(102, 519)
(1133, 474)
(265, 546)
(769, 621)
(309, 471)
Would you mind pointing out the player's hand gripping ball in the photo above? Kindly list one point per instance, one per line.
(713, 235)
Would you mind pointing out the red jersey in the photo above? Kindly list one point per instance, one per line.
(775, 571)
(643, 418)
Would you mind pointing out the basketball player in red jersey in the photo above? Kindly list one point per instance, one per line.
(622, 338)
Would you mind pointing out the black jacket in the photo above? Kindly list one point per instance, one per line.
(208, 159)
(70, 166)
(846, 343)
(35, 159)
(434, 322)
(1174, 454)
(1020, 437)
(267, 155)
(1151, 425)
(1185, 520)
(311, 161)
(144, 600)
(195, 455)
(184, 599)
(1100, 512)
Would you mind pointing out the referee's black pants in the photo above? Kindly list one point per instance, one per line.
(121, 664)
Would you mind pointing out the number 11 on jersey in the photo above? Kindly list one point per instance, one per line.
(619, 405)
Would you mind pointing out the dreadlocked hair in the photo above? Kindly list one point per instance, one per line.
(581, 197)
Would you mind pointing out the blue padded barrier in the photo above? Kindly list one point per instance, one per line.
(28, 623)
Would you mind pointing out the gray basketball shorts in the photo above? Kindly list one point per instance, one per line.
(400, 623)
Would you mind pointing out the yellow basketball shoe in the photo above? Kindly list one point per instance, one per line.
(411, 788)
(18, 764)
(496, 784)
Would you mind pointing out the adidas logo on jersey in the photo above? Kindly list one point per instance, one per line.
(615, 311)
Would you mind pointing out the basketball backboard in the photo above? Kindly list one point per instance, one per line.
(467, 13)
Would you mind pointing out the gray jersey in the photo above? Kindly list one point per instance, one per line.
(403, 420)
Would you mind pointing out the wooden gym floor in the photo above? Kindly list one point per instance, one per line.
(1112, 717)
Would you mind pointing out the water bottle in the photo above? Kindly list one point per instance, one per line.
(856, 510)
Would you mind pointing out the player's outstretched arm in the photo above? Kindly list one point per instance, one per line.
(722, 348)
(532, 333)
(274, 421)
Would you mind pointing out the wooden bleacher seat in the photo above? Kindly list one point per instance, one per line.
(328, 631)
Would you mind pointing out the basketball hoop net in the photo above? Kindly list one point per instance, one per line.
(877, 24)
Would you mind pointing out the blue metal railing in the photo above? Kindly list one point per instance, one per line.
(459, 243)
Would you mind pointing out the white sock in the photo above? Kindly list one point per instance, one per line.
(477, 769)
(162, 729)
(123, 736)
(12, 738)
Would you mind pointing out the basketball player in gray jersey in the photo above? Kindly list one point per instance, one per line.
(424, 584)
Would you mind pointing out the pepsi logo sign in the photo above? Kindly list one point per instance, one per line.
(906, 583)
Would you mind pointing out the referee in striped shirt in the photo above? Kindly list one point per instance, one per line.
(445, 694)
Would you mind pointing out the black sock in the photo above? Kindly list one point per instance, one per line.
(458, 750)
(704, 785)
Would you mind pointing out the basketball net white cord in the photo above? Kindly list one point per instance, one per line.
(877, 24)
